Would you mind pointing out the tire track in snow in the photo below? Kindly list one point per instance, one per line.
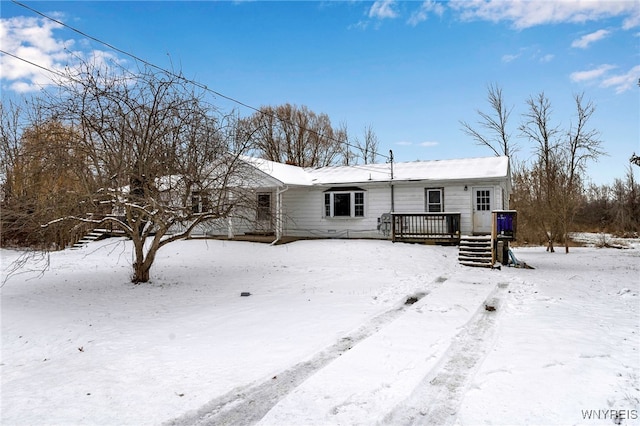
(248, 404)
(436, 400)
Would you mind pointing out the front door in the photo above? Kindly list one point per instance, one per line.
(482, 206)
(264, 216)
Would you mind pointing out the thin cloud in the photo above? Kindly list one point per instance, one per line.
(510, 58)
(584, 41)
(593, 74)
(426, 8)
(602, 76)
(383, 9)
(525, 14)
(428, 144)
(623, 82)
(547, 58)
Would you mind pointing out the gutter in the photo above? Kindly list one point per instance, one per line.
(279, 221)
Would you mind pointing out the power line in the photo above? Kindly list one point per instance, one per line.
(34, 64)
(172, 74)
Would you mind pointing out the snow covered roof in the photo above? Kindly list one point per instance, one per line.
(285, 173)
(467, 168)
(435, 170)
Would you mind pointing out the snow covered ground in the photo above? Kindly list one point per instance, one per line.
(326, 337)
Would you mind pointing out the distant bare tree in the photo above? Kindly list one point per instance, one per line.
(296, 135)
(494, 123)
(367, 147)
(625, 208)
(162, 159)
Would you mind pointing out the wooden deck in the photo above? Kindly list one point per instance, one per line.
(433, 228)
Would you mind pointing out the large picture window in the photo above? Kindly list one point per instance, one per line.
(344, 202)
(434, 200)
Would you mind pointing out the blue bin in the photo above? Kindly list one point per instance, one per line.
(504, 224)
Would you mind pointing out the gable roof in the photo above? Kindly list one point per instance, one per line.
(284, 173)
(432, 170)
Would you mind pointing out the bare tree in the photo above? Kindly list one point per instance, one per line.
(296, 135)
(581, 145)
(162, 159)
(624, 210)
(555, 180)
(368, 146)
(537, 128)
(492, 131)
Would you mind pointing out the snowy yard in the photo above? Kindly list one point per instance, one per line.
(326, 337)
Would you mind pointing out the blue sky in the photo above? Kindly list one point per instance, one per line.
(411, 70)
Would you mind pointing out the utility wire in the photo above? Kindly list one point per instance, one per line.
(58, 73)
(172, 74)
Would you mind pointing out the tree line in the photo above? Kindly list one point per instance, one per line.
(149, 155)
(551, 190)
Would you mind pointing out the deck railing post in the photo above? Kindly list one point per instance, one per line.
(393, 228)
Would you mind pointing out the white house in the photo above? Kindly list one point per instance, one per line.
(361, 201)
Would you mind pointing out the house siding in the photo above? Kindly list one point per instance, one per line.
(303, 212)
(304, 207)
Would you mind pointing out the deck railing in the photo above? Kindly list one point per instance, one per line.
(425, 227)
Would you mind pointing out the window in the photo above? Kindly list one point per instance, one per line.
(327, 204)
(434, 200)
(358, 204)
(200, 202)
(264, 207)
(344, 202)
(483, 200)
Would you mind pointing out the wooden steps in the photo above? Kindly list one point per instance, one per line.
(475, 251)
(94, 235)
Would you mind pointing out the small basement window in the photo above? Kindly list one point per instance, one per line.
(344, 202)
